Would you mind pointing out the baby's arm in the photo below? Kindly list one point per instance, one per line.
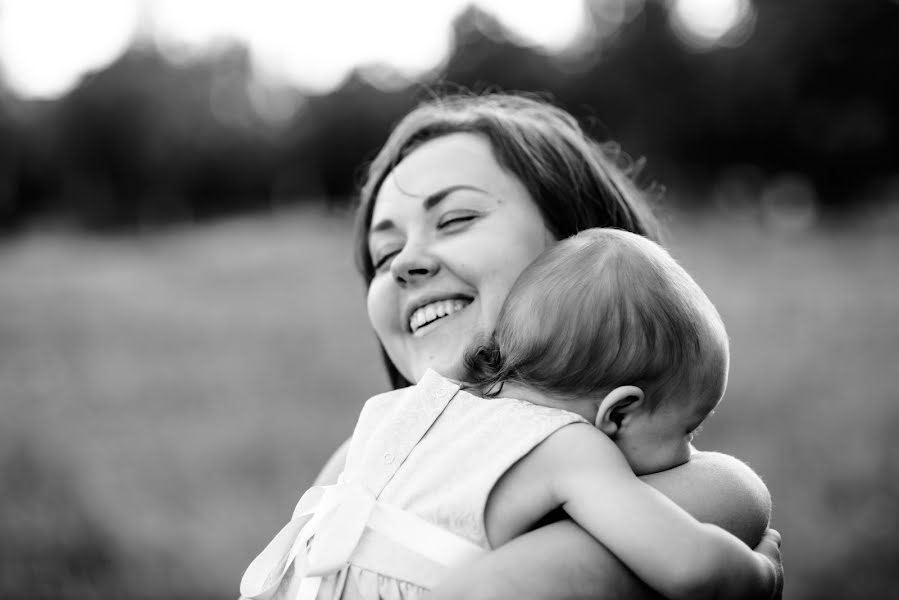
(561, 561)
(659, 541)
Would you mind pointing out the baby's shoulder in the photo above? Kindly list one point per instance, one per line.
(382, 403)
(388, 398)
(572, 449)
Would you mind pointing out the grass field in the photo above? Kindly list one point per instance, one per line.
(165, 398)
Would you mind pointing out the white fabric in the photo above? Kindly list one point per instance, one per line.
(325, 535)
(448, 477)
(410, 502)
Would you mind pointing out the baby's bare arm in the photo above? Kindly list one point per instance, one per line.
(561, 561)
(669, 549)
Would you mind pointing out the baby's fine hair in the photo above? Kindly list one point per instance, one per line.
(602, 309)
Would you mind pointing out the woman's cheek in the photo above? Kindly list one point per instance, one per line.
(497, 287)
(381, 307)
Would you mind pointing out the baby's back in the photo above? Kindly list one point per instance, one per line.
(448, 475)
(431, 455)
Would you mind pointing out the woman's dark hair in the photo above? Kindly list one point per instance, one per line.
(576, 182)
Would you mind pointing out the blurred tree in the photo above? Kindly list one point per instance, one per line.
(168, 142)
(9, 159)
(145, 141)
(333, 135)
(807, 93)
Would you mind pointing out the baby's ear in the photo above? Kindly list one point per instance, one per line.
(617, 406)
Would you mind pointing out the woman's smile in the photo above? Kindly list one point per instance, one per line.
(423, 319)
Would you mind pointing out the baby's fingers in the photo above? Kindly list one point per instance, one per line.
(769, 547)
(770, 544)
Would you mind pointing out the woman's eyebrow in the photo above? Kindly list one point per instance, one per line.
(430, 201)
(437, 197)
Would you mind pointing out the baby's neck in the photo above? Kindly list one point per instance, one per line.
(649, 444)
(581, 406)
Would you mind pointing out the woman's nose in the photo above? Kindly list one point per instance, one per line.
(413, 264)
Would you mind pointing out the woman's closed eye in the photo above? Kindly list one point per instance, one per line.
(383, 259)
(456, 219)
(450, 221)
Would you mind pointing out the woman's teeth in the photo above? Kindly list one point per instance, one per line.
(435, 310)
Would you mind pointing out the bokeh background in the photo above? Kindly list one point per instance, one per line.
(183, 339)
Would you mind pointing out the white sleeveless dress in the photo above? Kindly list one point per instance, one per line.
(433, 453)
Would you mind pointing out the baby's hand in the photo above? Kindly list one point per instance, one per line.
(769, 547)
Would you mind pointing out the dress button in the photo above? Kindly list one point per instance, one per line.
(388, 458)
(442, 393)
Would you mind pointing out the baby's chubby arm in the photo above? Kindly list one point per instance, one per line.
(665, 546)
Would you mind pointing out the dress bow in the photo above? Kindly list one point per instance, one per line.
(326, 527)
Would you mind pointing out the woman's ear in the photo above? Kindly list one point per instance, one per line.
(618, 404)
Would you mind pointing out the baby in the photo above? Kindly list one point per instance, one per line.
(606, 324)
(605, 358)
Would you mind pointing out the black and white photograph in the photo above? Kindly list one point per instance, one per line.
(449, 299)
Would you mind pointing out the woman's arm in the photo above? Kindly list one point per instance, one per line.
(719, 489)
(558, 561)
(562, 561)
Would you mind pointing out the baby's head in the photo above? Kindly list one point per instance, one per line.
(610, 319)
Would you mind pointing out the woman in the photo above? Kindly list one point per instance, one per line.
(466, 192)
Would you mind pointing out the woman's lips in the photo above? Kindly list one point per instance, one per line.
(434, 311)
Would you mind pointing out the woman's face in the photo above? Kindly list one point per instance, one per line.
(451, 231)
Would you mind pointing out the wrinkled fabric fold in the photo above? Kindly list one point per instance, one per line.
(325, 529)
(324, 536)
(361, 538)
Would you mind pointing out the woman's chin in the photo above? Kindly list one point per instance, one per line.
(442, 350)
(449, 367)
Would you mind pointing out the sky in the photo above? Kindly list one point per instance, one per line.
(46, 46)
